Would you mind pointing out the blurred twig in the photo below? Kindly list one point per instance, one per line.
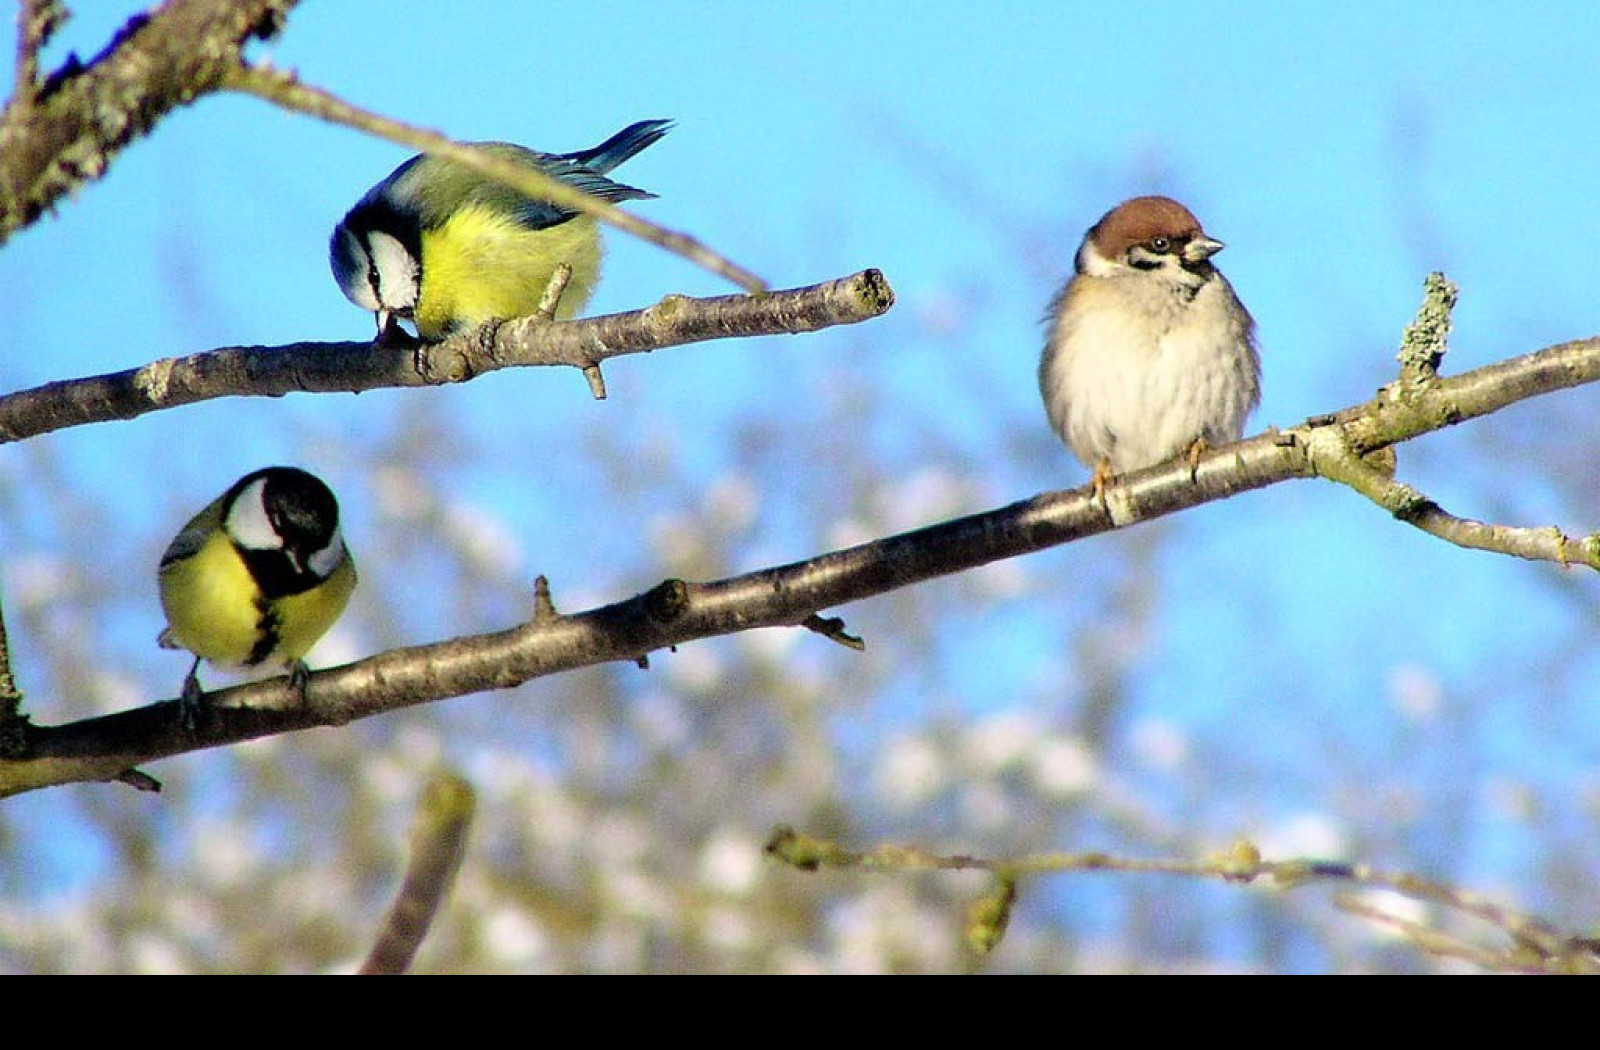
(438, 844)
(1535, 945)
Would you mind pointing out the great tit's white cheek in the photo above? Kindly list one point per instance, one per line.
(247, 523)
(323, 562)
(398, 273)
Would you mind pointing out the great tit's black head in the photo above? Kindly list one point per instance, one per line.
(285, 524)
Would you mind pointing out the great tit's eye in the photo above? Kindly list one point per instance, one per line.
(1160, 244)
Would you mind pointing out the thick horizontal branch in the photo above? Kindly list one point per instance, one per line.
(272, 371)
(58, 134)
(677, 612)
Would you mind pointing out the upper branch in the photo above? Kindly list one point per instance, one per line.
(61, 133)
(272, 371)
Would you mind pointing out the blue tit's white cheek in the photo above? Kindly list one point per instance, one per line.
(398, 273)
(247, 523)
(352, 269)
(322, 562)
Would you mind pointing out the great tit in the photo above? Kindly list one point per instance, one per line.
(449, 248)
(257, 577)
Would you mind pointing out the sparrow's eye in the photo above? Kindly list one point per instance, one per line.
(1160, 244)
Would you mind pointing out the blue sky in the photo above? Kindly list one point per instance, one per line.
(962, 149)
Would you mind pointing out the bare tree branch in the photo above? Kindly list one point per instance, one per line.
(1536, 945)
(37, 22)
(59, 135)
(676, 612)
(287, 91)
(272, 371)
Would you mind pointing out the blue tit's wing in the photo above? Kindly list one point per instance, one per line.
(619, 147)
(538, 214)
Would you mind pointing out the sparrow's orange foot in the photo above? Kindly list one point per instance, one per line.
(1099, 480)
(1199, 447)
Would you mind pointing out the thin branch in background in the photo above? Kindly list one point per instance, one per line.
(1536, 945)
(272, 371)
(286, 90)
(438, 844)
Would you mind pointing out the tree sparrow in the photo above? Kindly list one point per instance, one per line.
(1150, 354)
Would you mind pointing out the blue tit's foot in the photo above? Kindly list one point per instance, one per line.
(192, 701)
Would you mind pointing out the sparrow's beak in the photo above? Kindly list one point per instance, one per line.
(1201, 248)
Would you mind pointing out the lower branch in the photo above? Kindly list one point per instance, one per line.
(677, 612)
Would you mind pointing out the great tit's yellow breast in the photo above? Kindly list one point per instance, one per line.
(482, 264)
(210, 602)
(212, 606)
(305, 617)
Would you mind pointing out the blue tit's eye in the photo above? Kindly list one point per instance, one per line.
(1160, 244)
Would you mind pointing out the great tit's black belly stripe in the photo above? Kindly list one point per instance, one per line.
(275, 574)
(268, 628)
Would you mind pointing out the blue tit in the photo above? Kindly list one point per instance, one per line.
(257, 577)
(449, 248)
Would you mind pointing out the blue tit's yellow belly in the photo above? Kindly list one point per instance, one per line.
(481, 265)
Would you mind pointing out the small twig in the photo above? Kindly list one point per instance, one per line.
(286, 90)
(1536, 944)
(1426, 339)
(138, 779)
(1331, 456)
(37, 22)
(544, 607)
(438, 844)
(560, 277)
(13, 723)
(832, 627)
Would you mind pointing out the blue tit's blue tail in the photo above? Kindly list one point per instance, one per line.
(619, 147)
